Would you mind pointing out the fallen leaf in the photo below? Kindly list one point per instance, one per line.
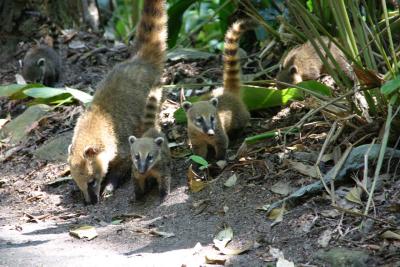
(196, 184)
(354, 195)
(391, 235)
(215, 259)
(85, 231)
(223, 238)
(324, 238)
(302, 168)
(332, 213)
(281, 188)
(231, 181)
(161, 234)
(276, 253)
(236, 251)
(276, 215)
(3, 122)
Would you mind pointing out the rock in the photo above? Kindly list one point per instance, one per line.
(17, 128)
(342, 257)
(55, 149)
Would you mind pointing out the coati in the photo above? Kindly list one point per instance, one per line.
(211, 122)
(99, 156)
(41, 64)
(302, 63)
(150, 155)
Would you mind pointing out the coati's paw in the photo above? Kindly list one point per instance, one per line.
(108, 191)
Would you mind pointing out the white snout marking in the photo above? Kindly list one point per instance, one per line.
(210, 132)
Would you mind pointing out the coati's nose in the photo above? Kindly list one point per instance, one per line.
(210, 132)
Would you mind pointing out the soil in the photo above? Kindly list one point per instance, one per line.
(35, 217)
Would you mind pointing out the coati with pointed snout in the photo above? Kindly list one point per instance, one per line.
(99, 156)
(150, 155)
(211, 122)
(41, 64)
(303, 63)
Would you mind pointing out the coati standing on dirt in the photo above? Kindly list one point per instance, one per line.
(41, 64)
(210, 122)
(150, 155)
(99, 156)
(302, 63)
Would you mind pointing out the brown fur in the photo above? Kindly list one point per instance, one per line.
(302, 63)
(100, 147)
(210, 123)
(41, 64)
(152, 144)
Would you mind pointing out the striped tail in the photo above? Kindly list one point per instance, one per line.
(151, 34)
(150, 113)
(231, 56)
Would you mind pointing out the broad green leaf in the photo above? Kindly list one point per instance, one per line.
(391, 86)
(316, 87)
(175, 14)
(44, 92)
(80, 95)
(199, 160)
(14, 90)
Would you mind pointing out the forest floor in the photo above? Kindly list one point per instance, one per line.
(40, 204)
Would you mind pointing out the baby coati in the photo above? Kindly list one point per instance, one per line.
(211, 122)
(150, 155)
(99, 156)
(41, 64)
(302, 63)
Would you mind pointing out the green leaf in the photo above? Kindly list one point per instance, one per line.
(256, 97)
(391, 86)
(44, 92)
(226, 13)
(175, 14)
(316, 87)
(80, 95)
(199, 160)
(14, 90)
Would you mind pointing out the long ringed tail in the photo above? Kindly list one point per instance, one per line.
(151, 34)
(231, 56)
(150, 113)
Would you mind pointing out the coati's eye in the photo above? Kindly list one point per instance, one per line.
(199, 119)
(137, 157)
(212, 118)
(150, 157)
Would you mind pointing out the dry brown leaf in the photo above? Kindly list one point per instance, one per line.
(354, 195)
(196, 184)
(302, 168)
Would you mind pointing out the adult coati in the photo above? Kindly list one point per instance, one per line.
(100, 147)
(211, 122)
(150, 155)
(41, 64)
(303, 63)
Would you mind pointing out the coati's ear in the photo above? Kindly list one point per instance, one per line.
(293, 69)
(90, 152)
(132, 139)
(159, 141)
(214, 101)
(41, 62)
(186, 105)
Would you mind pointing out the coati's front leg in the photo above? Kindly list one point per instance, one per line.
(220, 146)
(138, 185)
(116, 175)
(164, 183)
(199, 148)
